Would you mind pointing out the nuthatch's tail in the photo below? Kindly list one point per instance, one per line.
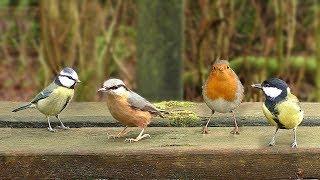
(23, 107)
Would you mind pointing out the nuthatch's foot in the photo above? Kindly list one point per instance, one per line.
(51, 130)
(294, 144)
(235, 131)
(130, 140)
(205, 130)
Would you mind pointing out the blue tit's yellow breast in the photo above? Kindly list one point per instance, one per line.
(56, 101)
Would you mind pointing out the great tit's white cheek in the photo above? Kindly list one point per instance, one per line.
(65, 81)
(272, 91)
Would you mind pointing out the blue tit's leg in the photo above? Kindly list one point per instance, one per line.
(273, 140)
(120, 134)
(62, 125)
(205, 128)
(236, 128)
(50, 128)
(138, 138)
(294, 144)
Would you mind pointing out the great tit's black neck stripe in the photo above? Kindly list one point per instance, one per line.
(57, 81)
(117, 86)
(271, 107)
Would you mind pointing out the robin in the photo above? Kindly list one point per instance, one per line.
(281, 107)
(128, 107)
(222, 91)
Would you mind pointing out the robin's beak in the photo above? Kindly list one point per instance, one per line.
(258, 86)
(102, 89)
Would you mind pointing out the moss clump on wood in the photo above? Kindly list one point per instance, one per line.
(179, 117)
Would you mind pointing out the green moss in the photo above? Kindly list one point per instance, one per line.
(173, 104)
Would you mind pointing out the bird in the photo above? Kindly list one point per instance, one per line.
(281, 107)
(222, 92)
(128, 107)
(52, 100)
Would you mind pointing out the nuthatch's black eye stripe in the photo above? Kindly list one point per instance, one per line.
(117, 86)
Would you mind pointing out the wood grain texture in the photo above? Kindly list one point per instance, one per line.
(170, 153)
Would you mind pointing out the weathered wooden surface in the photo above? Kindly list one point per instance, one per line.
(96, 114)
(170, 153)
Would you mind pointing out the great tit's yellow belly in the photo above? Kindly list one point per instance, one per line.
(56, 101)
(121, 111)
(290, 114)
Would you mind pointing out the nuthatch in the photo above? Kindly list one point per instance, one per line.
(281, 107)
(222, 91)
(54, 98)
(128, 107)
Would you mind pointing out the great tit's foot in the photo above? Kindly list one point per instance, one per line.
(235, 131)
(205, 130)
(51, 130)
(131, 140)
(294, 144)
(272, 142)
(63, 127)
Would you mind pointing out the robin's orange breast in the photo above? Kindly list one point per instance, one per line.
(222, 85)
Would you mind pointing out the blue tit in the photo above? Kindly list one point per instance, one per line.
(52, 100)
(128, 107)
(281, 107)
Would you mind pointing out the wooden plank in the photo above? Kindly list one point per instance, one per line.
(96, 114)
(170, 153)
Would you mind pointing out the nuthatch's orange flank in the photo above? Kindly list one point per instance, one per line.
(222, 91)
(128, 107)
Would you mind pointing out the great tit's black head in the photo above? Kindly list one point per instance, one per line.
(273, 88)
(115, 86)
(68, 78)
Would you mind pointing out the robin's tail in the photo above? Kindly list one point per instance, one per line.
(23, 107)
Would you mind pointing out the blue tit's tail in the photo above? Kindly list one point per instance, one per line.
(23, 107)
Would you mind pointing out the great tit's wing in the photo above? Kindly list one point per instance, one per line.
(138, 102)
(45, 92)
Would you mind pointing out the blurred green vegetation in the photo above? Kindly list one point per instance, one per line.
(261, 38)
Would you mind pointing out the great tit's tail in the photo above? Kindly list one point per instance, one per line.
(23, 107)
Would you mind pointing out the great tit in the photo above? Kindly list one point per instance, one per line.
(281, 107)
(54, 98)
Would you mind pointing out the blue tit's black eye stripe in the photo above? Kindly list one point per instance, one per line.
(68, 77)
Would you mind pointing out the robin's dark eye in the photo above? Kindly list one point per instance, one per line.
(214, 68)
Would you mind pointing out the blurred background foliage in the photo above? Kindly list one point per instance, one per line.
(261, 38)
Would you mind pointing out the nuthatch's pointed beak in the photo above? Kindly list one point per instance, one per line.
(258, 86)
(102, 90)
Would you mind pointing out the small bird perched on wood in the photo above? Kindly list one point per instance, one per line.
(54, 98)
(281, 107)
(128, 107)
(222, 91)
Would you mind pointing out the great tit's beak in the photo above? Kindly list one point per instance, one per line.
(102, 89)
(258, 86)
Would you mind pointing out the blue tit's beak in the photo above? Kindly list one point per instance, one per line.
(78, 81)
(102, 89)
(258, 86)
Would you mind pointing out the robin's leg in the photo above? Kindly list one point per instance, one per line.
(273, 140)
(120, 134)
(205, 128)
(141, 136)
(294, 144)
(50, 128)
(62, 126)
(236, 128)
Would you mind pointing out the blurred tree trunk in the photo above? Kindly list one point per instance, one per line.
(317, 35)
(160, 41)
